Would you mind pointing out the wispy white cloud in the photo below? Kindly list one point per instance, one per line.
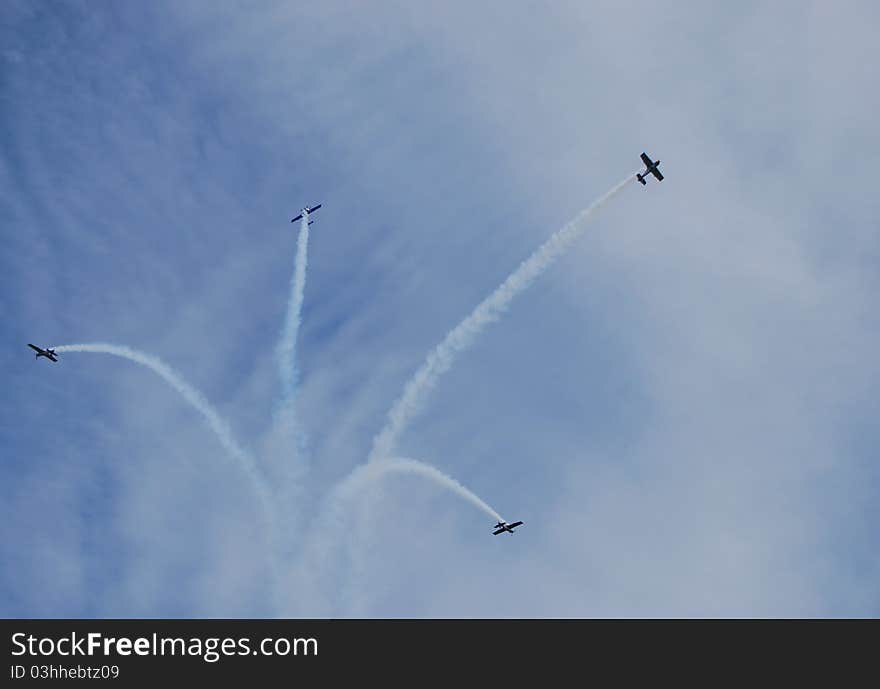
(690, 391)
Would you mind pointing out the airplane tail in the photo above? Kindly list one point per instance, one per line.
(641, 179)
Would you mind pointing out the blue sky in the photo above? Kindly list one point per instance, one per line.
(682, 410)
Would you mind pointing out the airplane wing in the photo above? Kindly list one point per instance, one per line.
(515, 524)
(52, 357)
(497, 531)
(657, 173)
(34, 347)
(646, 160)
(307, 210)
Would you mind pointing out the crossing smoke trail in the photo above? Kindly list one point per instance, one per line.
(316, 552)
(197, 400)
(358, 544)
(441, 358)
(367, 473)
(458, 339)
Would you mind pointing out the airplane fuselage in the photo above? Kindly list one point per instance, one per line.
(304, 213)
(502, 526)
(651, 168)
(47, 353)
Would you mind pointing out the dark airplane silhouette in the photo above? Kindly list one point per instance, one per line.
(503, 526)
(306, 211)
(48, 353)
(650, 166)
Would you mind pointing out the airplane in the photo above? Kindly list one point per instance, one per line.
(48, 353)
(503, 526)
(306, 211)
(649, 167)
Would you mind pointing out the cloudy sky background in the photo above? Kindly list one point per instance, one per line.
(683, 410)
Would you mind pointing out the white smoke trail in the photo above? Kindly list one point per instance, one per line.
(285, 447)
(352, 600)
(365, 474)
(315, 558)
(287, 346)
(197, 400)
(440, 359)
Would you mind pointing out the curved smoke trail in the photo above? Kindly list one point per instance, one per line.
(351, 600)
(441, 358)
(197, 400)
(317, 551)
(365, 474)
